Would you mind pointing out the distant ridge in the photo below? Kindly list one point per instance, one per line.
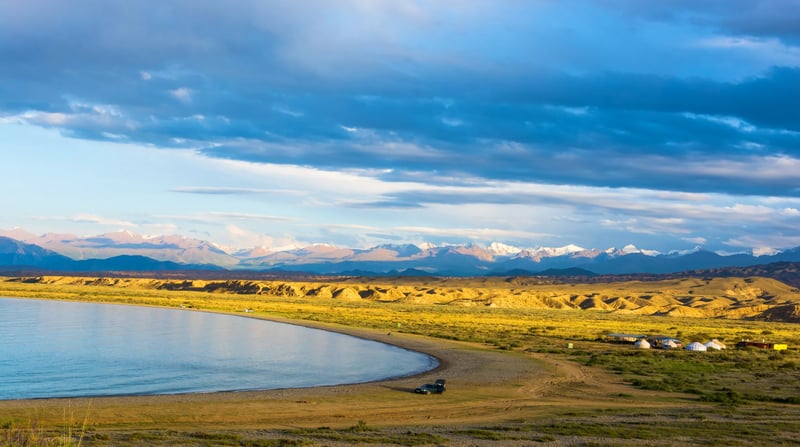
(14, 253)
(129, 251)
(19, 256)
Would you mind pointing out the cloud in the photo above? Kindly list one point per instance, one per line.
(182, 94)
(220, 216)
(386, 204)
(696, 240)
(90, 219)
(228, 190)
(765, 241)
(474, 234)
(247, 216)
(241, 237)
(371, 108)
(529, 139)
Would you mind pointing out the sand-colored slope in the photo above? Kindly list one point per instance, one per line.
(738, 298)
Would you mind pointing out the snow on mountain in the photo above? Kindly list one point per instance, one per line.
(561, 251)
(255, 252)
(426, 246)
(764, 251)
(174, 248)
(386, 253)
(501, 249)
(631, 249)
(688, 252)
(465, 259)
(17, 233)
(540, 253)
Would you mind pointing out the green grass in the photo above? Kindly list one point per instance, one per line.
(729, 376)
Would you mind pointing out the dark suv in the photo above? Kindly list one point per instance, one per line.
(432, 388)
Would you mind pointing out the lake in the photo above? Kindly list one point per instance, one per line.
(70, 349)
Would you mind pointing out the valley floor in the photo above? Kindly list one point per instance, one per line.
(494, 398)
(511, 380)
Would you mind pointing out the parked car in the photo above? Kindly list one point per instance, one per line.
(437, 387)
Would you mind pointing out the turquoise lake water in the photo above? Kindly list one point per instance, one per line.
(67, 349)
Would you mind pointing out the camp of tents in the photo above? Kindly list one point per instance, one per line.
(641, 341)
(670, 343)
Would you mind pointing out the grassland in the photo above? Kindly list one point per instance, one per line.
(515, 382)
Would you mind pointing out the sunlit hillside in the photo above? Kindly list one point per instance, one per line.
(732, 298)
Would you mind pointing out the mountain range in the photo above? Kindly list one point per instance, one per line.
(126, 251)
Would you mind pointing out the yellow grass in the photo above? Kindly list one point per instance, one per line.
(532, 390)
(500, 312)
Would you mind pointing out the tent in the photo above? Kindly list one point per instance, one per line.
(713, 345)
(642, 344)
(696, 346)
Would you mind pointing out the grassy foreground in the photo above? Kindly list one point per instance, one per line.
(592, 394)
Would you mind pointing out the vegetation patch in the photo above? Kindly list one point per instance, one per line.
(360, 434)
(729, 377)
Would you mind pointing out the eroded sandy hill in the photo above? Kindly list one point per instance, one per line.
(738, 298)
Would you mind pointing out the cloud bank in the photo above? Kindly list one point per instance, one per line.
(679, 98)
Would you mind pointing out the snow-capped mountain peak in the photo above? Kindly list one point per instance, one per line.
(558, 251)
(501, 249)
(686, 252)
(764, 251)
(632, 249)
(426, 246)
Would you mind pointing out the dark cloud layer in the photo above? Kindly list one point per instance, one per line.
(379, 86)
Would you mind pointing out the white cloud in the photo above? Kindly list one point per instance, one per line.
(289, 112)
(45, 118)
(182, 94)
(696, 240)
(794, 212)
(479, 234)
(247, 216)
(240, 237)
(230, 190)
(731, 121)
(765, 241)
(91, 218)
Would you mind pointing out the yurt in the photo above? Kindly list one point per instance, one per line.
(696, 346)
(642, 344)
(669, 344)
(713, 345)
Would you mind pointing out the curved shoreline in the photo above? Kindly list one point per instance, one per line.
(465, 366)
(430, 362)
(485, 385)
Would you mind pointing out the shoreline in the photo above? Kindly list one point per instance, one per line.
(461, 363)
(364, 334)
(485, 385)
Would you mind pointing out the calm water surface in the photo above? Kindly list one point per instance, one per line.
(66, 349)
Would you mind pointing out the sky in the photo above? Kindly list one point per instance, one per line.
(667, 125)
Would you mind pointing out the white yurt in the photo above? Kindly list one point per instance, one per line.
(696, 346)
(642, 344)
(713, 345)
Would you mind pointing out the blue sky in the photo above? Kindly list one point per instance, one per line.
(362, 122)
